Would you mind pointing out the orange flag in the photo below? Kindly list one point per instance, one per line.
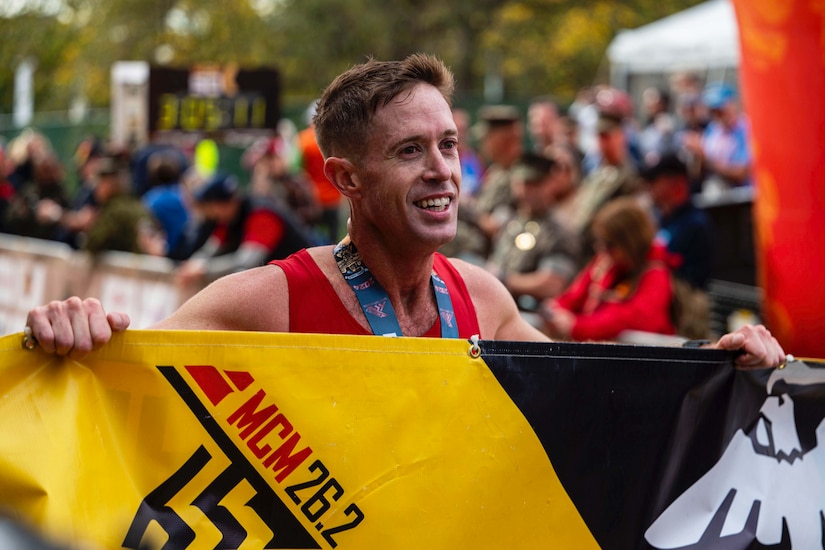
(783, 82)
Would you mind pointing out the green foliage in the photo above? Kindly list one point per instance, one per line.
(537, 46)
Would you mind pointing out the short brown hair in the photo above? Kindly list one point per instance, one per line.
(347, 106)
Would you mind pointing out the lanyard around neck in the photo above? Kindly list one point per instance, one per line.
(374, 300)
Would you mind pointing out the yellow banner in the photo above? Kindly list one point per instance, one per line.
(250, 440)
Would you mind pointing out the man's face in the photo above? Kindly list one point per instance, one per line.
(726, 114)
(105, 187)
(534, 196)
(410, 173)
(659, 190)
(542, 118)
(222, 212)
(502, 144)
(613, 145)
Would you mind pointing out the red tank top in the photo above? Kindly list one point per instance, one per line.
(314, 307)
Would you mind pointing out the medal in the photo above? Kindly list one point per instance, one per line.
(373, 298)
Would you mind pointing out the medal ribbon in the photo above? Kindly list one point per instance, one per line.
(374, 300)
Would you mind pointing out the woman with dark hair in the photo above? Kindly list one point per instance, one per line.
(626, 286)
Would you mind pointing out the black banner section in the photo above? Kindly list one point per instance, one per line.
(642, 436)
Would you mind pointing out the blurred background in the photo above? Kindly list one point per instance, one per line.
(500, 51)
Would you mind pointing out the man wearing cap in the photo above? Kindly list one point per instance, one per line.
(684, 229)
(120, 221)
(248, 232)
(723, 149)
(501, 134)
(686, 233)
(616, 175)
(533, 255)
(501, 145)
(543, 123)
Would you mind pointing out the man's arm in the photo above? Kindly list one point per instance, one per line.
(256, 299)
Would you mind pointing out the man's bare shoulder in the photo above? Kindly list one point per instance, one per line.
(256, 299)
(475, 277)
(491, 299)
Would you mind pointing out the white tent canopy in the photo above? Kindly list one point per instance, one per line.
(704, 37)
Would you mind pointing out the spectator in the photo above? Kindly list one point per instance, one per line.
(248, 232)
(78, 216)
(140, 164)
(272, 178)
(686, 232)
(656, 135)
(24, 152)
(502, 144)
(38, 203)
(723, 149)
(567, 182)
(685, 83)
(626, 286)
(168, 201)
(568, 138)
(532, 255)
(327, 196)
(585, 113)
(692, 121)
(121, 222)
(501, 135)
(87, 156)
(616, 175)
(6, 190)
(684, 229)
(542, 123)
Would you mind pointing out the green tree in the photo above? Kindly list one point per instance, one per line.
(45, 40)
(534, 46)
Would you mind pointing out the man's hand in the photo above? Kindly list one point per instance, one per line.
(759, 348)
(74, 327)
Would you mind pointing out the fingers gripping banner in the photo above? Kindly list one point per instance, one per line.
(245, 440)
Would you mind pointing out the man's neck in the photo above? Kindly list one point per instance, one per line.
(406, 278)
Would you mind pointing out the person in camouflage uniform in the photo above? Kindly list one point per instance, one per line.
(533, 255)
(122, 223)
(616, 175)
(501, 134)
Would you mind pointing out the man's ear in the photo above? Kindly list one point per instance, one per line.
(341, 172)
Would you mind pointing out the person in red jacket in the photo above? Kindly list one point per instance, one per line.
(626, 286)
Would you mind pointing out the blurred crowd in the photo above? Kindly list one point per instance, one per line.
(585, 214)
(175, 202)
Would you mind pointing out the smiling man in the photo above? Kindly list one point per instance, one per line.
(391, 148)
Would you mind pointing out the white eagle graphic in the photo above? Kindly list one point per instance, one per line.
(763, 474)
